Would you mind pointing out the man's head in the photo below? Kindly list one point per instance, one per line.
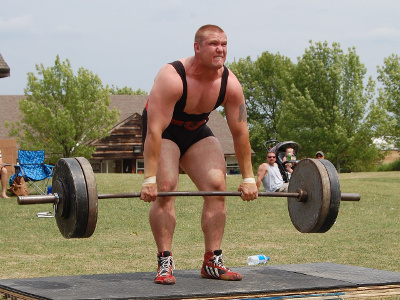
(210, 45)
(271, 158)
(319, 155)
(203, 31)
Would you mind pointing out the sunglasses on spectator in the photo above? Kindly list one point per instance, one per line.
(271, 156)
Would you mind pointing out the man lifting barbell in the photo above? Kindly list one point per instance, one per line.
(176, 135)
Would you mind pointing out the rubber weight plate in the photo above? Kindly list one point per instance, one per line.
(311, 176)
(72, 209)
(335, 196)
(91, 188)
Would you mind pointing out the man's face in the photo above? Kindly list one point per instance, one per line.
(271, 157)
(212, 49)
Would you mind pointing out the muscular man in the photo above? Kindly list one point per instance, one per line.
(268, 173)
(176, 135)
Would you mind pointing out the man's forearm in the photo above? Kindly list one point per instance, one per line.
(243, 155)
(152, 150)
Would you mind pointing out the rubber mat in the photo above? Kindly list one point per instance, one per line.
(189, 284)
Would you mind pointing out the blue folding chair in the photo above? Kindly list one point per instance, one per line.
(36, 173)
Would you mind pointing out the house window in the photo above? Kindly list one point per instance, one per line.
(232, 166)
(232, 169)
(139, 166)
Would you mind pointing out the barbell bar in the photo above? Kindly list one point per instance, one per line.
(52, 199)
(313, 198)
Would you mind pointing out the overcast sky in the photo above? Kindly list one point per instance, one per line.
(125, 42)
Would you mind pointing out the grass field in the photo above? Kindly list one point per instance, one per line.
(367, 233)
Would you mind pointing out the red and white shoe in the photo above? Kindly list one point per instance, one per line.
(213, 267)
(165, 268)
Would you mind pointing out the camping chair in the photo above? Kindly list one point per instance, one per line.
(36, 173)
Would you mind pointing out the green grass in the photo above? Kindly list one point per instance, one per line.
(367, 233)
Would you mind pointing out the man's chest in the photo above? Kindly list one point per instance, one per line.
(201, 96)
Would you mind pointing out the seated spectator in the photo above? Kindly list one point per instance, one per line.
(319, 155)
(269, 174)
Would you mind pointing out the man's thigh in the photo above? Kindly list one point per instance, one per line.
(168, 166)
(204, 163)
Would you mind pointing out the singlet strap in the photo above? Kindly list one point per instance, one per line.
(180, 69)
(222, 91)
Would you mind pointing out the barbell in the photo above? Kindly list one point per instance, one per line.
(313, 196)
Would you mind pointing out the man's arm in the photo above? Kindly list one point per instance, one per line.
(262, 171)
(236, 116)
(166, 91)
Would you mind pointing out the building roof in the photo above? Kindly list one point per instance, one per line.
(128, 105)
(4, 68)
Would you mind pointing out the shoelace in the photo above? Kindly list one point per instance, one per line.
(219, 262)
(165, 263)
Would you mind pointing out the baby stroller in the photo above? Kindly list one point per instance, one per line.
(279, 148)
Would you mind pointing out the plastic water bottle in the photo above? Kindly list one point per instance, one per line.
(289, 156)
(257, 259)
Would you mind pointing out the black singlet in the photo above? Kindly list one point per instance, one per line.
(181, 136)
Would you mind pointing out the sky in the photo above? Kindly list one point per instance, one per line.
(125, 42)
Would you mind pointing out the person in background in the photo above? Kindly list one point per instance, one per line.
(268, 173)
(4, 177)
(176, 135)
(319, 155)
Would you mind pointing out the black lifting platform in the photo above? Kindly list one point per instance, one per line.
(305, 281)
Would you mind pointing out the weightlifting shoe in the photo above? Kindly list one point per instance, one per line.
(213, 267)
(165, 267)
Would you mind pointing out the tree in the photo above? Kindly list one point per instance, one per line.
(61, 112)
(389, 96)
(328, 108)
(265, 84)
(114, 90)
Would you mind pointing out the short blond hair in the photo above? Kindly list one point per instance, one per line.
(200, 33)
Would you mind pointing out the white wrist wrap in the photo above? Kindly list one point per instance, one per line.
(151, 179)
(249, 180)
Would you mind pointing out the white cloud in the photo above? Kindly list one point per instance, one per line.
(17, 23)
(381, 33)
(385, 32)
(67, 29)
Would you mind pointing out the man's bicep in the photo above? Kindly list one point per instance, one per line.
(235, 107)
(262, 170)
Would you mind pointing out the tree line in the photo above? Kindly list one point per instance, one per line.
(323, 102)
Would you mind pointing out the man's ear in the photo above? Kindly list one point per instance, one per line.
(196, 47)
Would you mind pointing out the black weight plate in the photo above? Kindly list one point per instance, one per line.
(310, 175)
(91, 188)
(335, 196)
(69, 184)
